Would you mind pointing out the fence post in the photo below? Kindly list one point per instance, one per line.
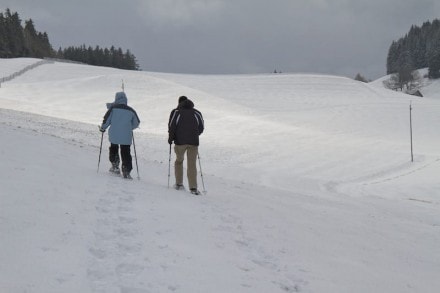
(410, 130)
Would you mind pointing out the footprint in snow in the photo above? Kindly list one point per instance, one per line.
(133, 290)
(127, 220)
(128, 269)
(125, 232)
(129, 249)
(98, 253)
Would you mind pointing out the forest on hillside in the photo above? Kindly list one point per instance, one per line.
(419, 48)
(17, 41)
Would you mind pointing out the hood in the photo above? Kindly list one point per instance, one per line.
(186, 104)
(120, 98)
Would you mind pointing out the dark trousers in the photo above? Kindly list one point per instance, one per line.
(125, 155)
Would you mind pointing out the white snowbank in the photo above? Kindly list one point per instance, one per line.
(309, 179)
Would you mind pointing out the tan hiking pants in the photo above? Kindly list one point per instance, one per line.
(191, 155)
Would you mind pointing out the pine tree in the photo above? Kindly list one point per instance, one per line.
(14, 35)
(393, 54)
(16, 41)
(31, 40)
(433, 56)
(419, 48)
(3, 38)
(102, 57)
(406, 68)
(359, 77)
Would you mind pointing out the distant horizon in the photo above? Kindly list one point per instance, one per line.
(221, 37)
(207, 74)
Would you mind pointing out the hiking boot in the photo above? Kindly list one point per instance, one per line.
(126, 175)
(195, 191)
(179, 187)
(115, 169)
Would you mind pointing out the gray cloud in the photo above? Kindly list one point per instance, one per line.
(341, 37)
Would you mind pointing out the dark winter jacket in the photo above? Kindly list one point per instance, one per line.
(185, 124)
(122, 119)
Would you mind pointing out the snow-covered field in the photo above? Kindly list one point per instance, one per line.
(310, 186)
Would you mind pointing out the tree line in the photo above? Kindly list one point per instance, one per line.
(18, 41)
(419, 48)
(100, 56)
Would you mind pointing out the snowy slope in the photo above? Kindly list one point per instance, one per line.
(309, 179)
(11, 66)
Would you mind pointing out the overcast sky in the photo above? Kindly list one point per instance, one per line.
(341, 37)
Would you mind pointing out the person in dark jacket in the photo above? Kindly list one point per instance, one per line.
(122, 119)
(184, 127)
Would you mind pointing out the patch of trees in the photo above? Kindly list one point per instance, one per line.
(360, 77)
(100, 56)
(419, 48)
(18, 41)
(403, 82)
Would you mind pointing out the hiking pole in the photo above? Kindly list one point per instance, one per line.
(201, 174)
(169, 168)
(100, 150)
(135, 156)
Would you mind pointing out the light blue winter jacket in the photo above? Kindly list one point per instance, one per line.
(122, 119)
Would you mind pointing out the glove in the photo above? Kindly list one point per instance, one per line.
(101, 129)
(170, 140)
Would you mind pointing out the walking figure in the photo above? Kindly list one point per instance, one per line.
(121, 119)
(184, 127)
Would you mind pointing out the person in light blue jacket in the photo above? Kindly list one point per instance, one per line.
(121, 119)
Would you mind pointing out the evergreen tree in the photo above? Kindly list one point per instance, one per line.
(419, 48)
(405, 68)
(14, 35)
(393, 54)
(359, 77)
(433, 56)
(101, 57)
(3, 37)
(107, 58)
(16, 41)
(37, 44)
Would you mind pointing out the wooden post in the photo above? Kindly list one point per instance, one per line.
(410, 130)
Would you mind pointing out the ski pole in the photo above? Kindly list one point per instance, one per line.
(201, 174)
(100, 150)
(169, 168)
(135, 156)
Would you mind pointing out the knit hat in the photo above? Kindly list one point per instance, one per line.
(182, 98)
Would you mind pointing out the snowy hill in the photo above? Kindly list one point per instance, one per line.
(309, 179)
(429, 88)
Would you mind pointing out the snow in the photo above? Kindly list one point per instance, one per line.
(310, 185)
(10, 66)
